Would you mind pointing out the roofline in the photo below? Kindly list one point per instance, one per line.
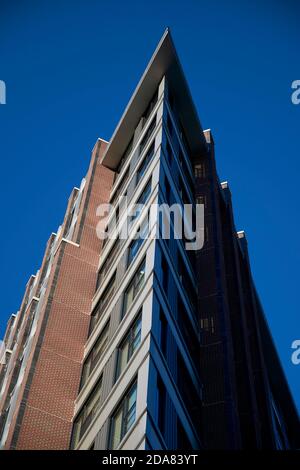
(164, 61)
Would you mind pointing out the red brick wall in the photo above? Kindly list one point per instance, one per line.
(53, 382)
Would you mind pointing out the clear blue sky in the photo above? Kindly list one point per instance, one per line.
(70, 68)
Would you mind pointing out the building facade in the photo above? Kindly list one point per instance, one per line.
(45, 340)
(136, 342)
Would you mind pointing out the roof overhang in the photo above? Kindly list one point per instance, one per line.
(164, 61)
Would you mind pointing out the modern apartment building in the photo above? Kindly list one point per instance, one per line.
(137, 342)
(45, 339)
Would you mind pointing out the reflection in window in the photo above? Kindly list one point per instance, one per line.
(136, 244)
(95, 355)
(124, 417)
(129, 345)
(134, 287)
(87, 413)
(103, 302)
(145, 163)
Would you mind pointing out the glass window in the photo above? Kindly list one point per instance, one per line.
(163, 332)
(124, 417)
(129, 345)
(107, 263)
(148, 134)
(142, 200)
(95, 355)
(125, 156)
(169, 152)
(87, 413)
(169, 124)
(161, 405)
(134, 287)
(145, 163)
(121, 186)
(136, 244)
(165, 274)
(145, 194)
(103, 302)
(167, 191)
(186, 282)
(151, 105)
(199, 170)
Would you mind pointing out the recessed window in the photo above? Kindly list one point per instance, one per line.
(142, 200)
(167, 191)
(134, 287)
(87, 413)
(169, 152)
(148, 134)
(199, 170)
(161, 405)
(136, 244)
(145, 194)
(125, 156)
(95, 355)
(121, 186)
(151, 106)
(107, 263)
(165, 274)
(163, 332)
(103, 302)
(207, 325)
(169, 124)
(69, 222)
(129, 345)
(124, 417)
(145, 163)
(186, 282)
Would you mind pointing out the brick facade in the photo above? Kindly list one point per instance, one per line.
(45, 403)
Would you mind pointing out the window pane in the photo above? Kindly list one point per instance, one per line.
(129, 345)
(117, 429)
(144, 165)
(136, 244)
(146, 193)
(124, 417)
(123, 357)
(139, 279)
(134, 287)
(103, 302)
(87, 413)
(131, 406)
(128, 298)
(100, 345)
(136, 334)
